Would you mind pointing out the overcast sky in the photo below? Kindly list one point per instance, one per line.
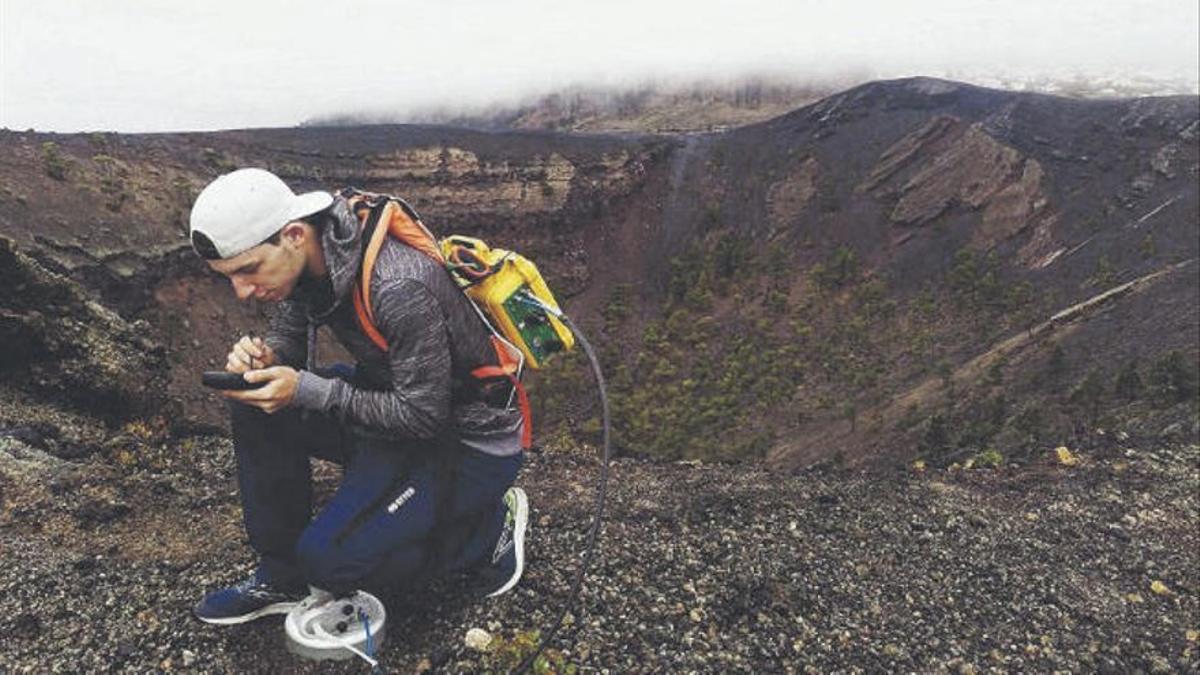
(157, 65)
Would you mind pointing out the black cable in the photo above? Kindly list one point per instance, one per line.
(601, 492)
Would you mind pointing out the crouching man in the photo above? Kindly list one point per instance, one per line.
(429, 451)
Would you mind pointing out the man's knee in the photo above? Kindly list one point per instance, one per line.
(242, 416)
(286, 431)
(247, 421)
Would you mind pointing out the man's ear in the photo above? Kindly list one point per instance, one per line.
(294, 233)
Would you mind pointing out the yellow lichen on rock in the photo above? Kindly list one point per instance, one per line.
(1065, 457)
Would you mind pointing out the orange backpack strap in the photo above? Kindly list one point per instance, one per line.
(509, 368)
(403, 224)
(362, 288)
(391, 216)
(387, 217)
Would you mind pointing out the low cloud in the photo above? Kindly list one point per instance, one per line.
(131, 65)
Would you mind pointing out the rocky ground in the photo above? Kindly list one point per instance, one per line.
(109, 537)
(112, 526)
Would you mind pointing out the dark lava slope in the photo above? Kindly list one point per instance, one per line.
(908, 269)
(876, 252)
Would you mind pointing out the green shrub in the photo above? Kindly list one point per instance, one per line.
(850, 414)
(937, 436)
(1029, 421)
(776, 300)
(989, 459)
(911, 418)
(183, 191)
(975, 282)
(729, 256)
(617, 308)
(1088, 394)
(508, 654)
(839, 269)
(945, 372)
(216, 160)
(924, 305)
(871, 299)
(1104, 274)
(995, 372)
(112, 182)
(53, 162)
(1056, 366)
(1147, 247)
(1128, 385)
(711, 219)
(685, 273)
(1173, 378)
(982, 421)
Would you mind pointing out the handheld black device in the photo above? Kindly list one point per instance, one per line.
(219, 379)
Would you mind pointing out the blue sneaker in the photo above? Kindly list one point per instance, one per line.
(248, 600)
(508, 558)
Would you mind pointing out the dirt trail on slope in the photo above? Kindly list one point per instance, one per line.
(1061, 321)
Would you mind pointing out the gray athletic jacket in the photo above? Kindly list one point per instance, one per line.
(421, 388)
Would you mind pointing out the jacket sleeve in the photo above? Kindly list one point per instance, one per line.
(287, 334)
(418, 405)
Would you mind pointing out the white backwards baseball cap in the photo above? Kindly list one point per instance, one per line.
(242, 209)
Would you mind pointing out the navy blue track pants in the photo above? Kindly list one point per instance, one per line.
(398, 515)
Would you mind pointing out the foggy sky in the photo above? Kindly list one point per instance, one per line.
(159, 65)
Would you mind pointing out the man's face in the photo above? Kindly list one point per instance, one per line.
(267, 272)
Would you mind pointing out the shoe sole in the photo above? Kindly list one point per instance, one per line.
(277, 608)
(521, 521)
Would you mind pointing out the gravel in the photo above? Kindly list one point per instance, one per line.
(703, 568)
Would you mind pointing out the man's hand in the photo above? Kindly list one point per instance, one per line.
(277, 393)
(249, 354)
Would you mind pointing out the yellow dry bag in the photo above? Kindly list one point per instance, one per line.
(511, 292)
